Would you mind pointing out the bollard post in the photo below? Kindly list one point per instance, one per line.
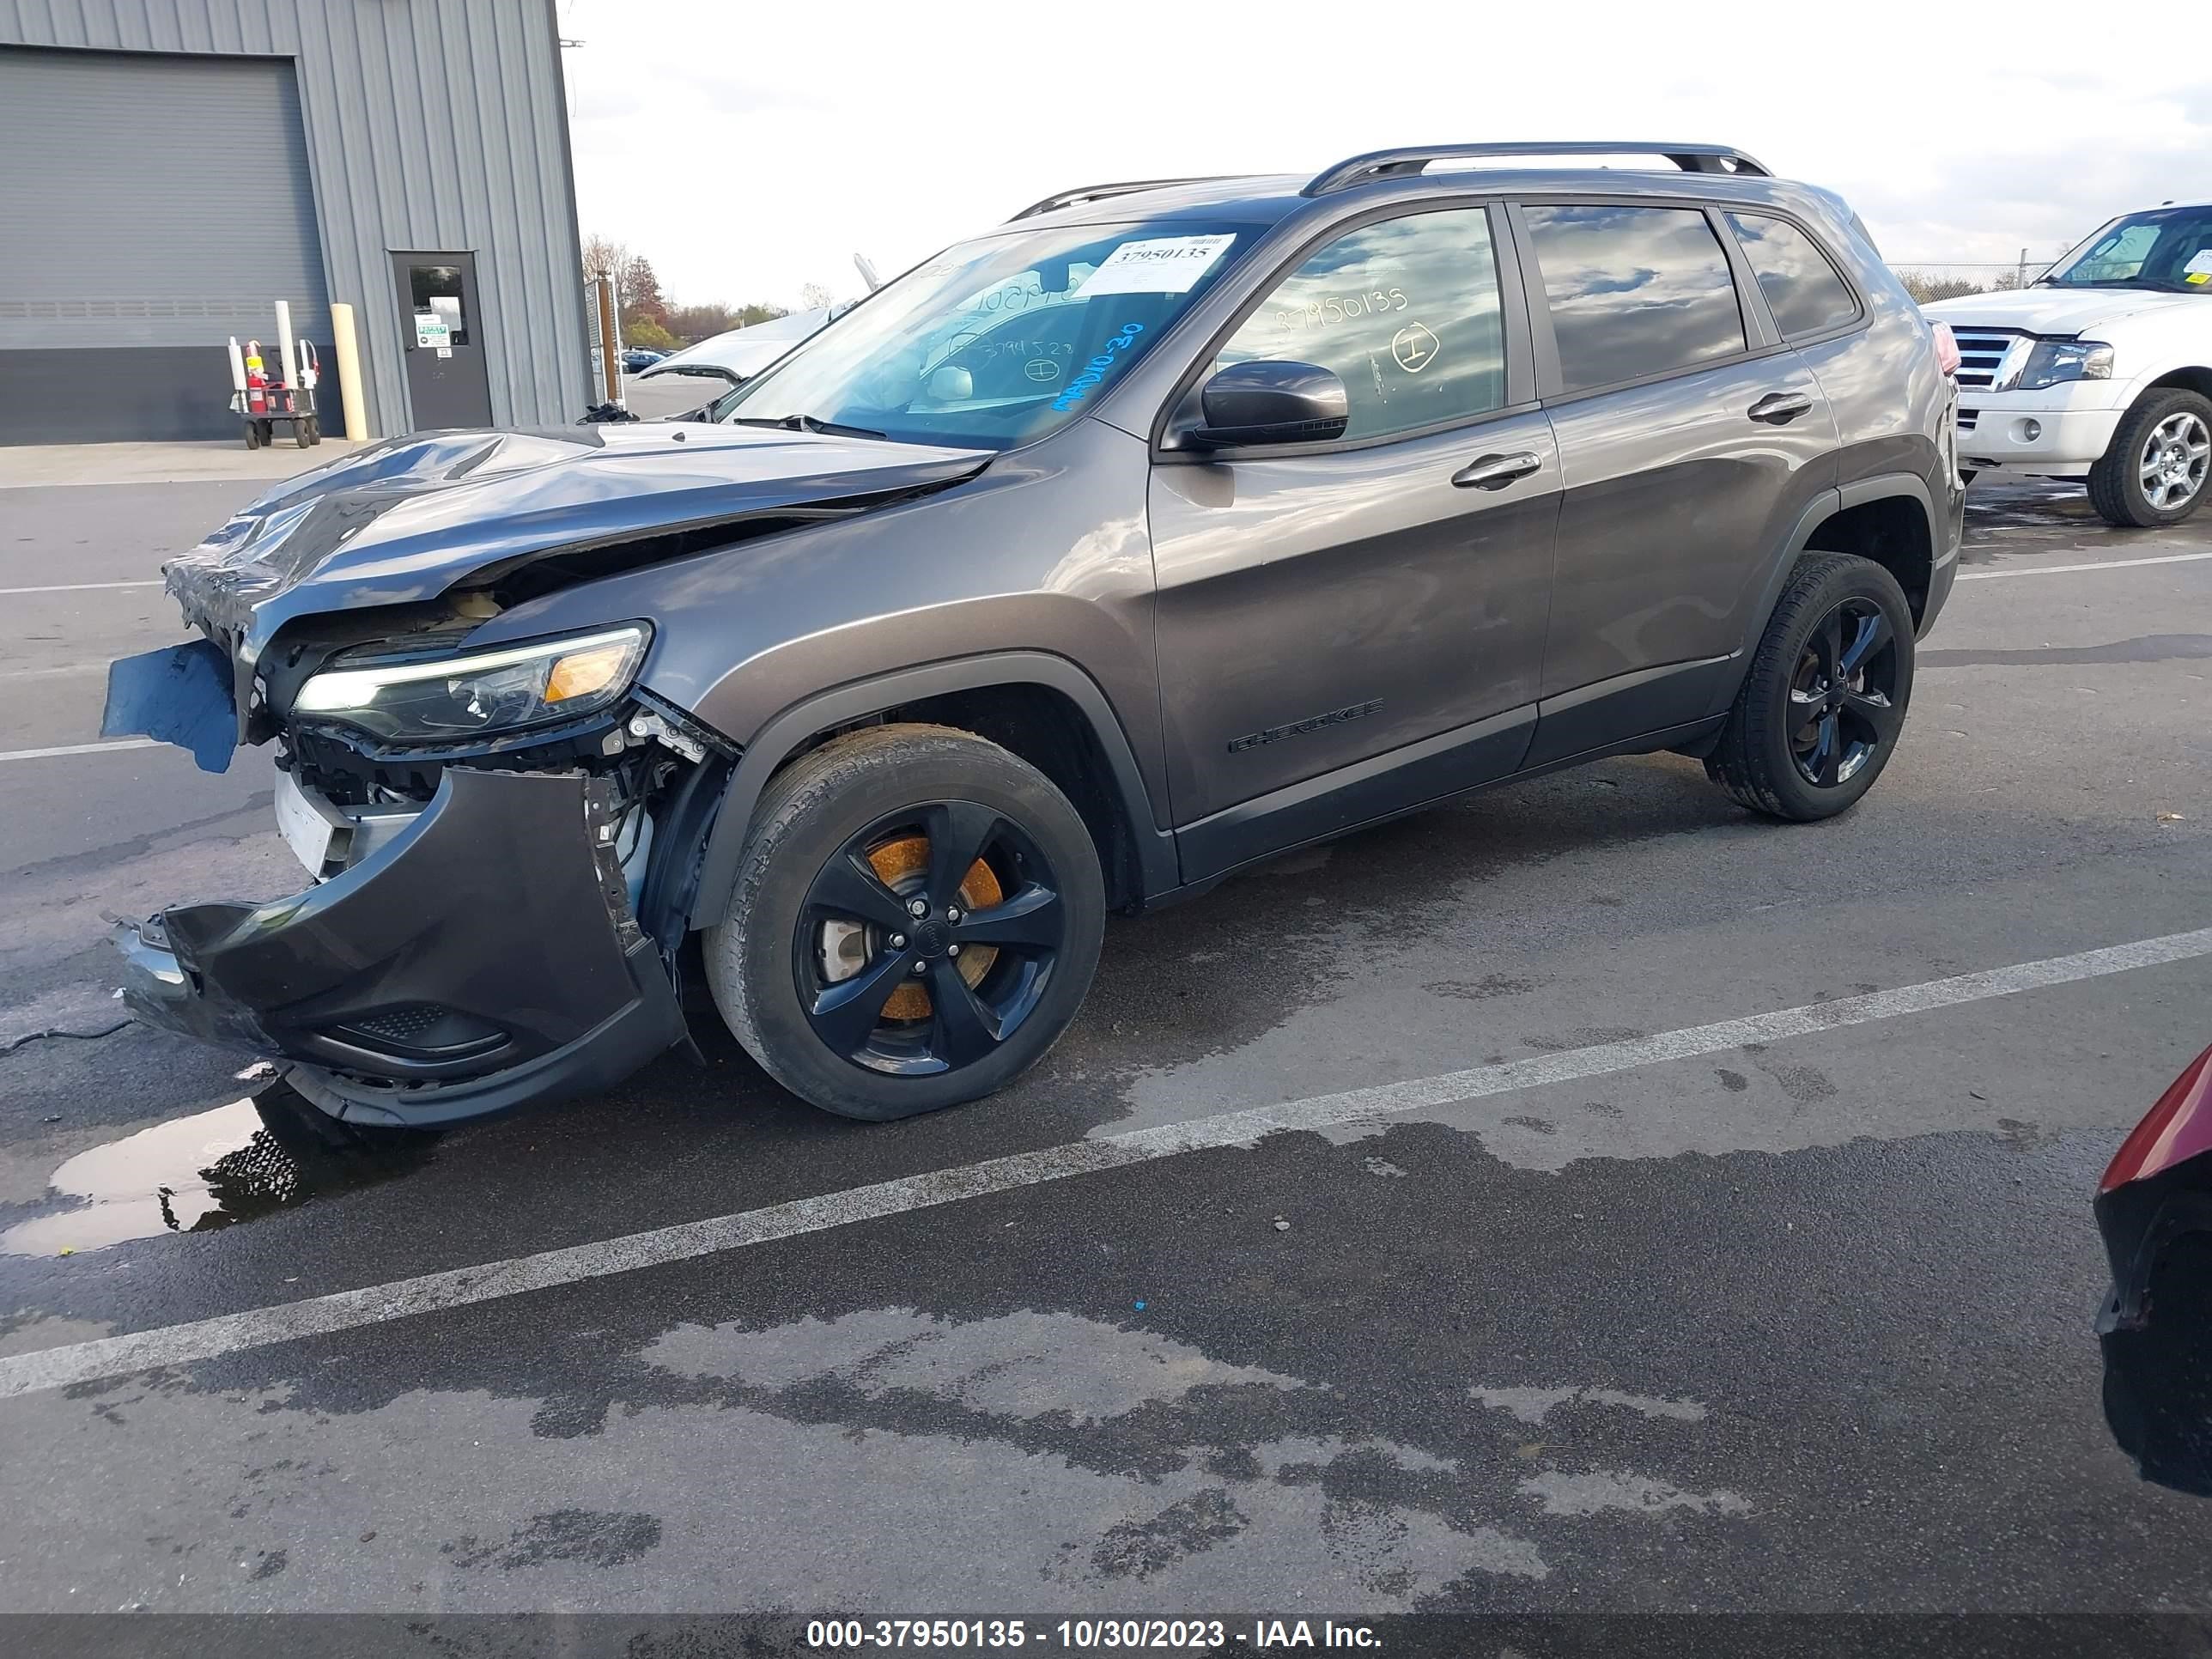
(345, 347)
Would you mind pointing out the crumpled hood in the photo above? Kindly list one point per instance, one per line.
(403, 520)
(2054, 311)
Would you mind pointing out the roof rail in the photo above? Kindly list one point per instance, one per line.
(1099, 192)
(1407, 162)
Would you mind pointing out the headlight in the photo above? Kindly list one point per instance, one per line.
(485, 692)
(2055, 361)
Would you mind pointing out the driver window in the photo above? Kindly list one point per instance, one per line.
(1405, 311)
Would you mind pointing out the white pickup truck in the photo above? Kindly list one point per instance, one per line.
(2100, 370)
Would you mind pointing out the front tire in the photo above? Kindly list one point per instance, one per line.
(2155, 471)
(917, 918)
(1820, 710)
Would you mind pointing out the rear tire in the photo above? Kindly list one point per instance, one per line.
(2155, 471)
(1822, 706)
(848, 999)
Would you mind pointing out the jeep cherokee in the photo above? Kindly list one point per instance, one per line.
(1166, 527)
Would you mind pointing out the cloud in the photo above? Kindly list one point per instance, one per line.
(751, 149)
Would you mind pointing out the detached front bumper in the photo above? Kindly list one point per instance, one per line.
(484, 958)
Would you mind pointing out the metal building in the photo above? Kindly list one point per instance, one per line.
(170, 168)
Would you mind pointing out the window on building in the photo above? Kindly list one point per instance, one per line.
(437, 293)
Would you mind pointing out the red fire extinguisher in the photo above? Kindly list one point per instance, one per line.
(257, 382)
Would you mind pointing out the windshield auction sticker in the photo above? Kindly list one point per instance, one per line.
(1160, 265)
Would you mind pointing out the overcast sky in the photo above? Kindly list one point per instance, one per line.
(750, 148)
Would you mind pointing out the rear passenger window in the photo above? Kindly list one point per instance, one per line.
(1802, 287)
(1405, 314)
(1634, 291)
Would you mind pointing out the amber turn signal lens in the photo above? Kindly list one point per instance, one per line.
(583, 672)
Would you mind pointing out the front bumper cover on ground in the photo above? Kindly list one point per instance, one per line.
(483, 958)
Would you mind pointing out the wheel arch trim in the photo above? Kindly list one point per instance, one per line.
(1881, 487)
(1817, 511)
(784, 734)
(1839, 498)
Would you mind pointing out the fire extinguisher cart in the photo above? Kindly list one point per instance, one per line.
(261, 403)
(261, 426)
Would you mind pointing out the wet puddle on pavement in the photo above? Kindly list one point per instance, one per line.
(2020, 510)
(236, 1163)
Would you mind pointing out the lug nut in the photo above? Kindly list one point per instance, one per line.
(917, 908)
(921, 967)
(952, 912)
(898, 941)
(951, 950)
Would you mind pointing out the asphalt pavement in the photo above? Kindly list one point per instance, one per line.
(1581, 1198)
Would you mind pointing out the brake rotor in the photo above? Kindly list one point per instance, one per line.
(906, 858)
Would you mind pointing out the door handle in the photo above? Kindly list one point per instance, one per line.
(1496, 471)
(1780, 408)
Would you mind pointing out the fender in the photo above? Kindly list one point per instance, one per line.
(780, 738)
(1818, 511)
(1822, 507)
(1944, 536)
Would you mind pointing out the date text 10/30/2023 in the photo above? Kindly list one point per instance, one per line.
(1185, 1635)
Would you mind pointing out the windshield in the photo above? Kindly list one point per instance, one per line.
(997, 342)
(2169, 249)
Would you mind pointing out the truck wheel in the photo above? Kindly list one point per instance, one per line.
(1820, 710)
(2155, 471)
(917, 918)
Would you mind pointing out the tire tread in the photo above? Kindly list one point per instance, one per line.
(2111, 491)
(1740, 762)
(808, 786)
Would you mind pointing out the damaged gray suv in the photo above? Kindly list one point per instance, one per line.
(1166, 527)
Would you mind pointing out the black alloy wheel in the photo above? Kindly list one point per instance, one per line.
(1822, 705)
(917, 918)
(928, 939)
(1842, 698)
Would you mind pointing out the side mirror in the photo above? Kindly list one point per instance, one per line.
(1272, 403)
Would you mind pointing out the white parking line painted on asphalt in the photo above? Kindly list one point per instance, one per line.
(80, 748)
(2067, 569)
(75, 587)
(460, 1287)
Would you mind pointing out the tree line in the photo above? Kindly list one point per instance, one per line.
(649, 318)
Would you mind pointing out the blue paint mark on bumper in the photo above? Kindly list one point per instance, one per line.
(180, 693)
